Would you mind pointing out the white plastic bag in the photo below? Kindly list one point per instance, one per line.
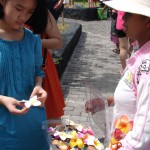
(100, 119)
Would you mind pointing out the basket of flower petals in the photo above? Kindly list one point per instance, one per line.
(67, 135)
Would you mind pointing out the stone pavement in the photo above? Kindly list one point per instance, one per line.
(93, 63)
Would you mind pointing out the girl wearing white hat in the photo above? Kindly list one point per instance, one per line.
(131, 128)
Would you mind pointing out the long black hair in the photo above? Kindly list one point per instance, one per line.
(1, 11)
(39, 18)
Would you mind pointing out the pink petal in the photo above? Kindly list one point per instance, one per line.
(90, 131)
(80, 135)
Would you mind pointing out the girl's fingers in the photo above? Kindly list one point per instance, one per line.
(24, 110)
(18, 111)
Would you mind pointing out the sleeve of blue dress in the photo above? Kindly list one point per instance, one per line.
(38, 58)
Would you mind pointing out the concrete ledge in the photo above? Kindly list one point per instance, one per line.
(86, 14)
(70, 39)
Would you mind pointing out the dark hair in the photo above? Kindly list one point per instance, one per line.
(39, 18)
(1, 11)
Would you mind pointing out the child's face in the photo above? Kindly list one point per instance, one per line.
(136, 26)
(17, 12)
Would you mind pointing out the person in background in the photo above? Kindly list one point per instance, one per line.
(123, 40)
(56, 7)
(114, 37)
(51, 38)
(132, 97)
(21, 76)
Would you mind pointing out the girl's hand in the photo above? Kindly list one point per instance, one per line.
(94, 105)
(14, 106)
(41, 94)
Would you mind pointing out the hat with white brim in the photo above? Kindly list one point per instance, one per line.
(141, 7)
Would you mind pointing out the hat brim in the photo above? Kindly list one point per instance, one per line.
(131, 6)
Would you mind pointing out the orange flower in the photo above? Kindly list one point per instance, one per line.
(124, 124)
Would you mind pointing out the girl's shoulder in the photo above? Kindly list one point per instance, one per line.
(30, 34)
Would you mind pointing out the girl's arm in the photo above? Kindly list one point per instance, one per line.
(39, 74)
(38, 81)
(54, 40)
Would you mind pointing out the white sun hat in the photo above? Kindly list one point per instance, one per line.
(141, 7)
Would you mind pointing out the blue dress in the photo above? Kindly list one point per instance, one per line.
(20, 63)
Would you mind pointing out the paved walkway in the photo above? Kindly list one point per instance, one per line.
(93, 63)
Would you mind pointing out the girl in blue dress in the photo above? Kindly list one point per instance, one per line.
(21, 76)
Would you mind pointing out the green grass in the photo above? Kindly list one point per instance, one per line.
(85, 4)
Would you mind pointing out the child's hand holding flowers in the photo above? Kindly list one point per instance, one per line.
(41, 94)
(14, 106)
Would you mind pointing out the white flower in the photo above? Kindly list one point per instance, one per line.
(31, 102)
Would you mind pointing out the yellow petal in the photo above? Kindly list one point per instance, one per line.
(73, 143)
(80, 143)
(74, 134)
(113, 141)
(120, 122)
(127, 128)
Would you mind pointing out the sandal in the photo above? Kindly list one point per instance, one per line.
(116, 51)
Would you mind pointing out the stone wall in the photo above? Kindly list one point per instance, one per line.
(70, 39)
(86, 14)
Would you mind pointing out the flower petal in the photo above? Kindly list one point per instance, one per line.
(73, 143)
(90, 131)
(81, 135)
(80, 143)
(117, 134)
(130, 124)
(63, 135)
(56, 135)
(113, 141)
(28, 104)
(127, 128)
(63, 146)
(36, 103)
(118, 121)
(99, 146)
(79, 127)
(55, 142)
(124, 119)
